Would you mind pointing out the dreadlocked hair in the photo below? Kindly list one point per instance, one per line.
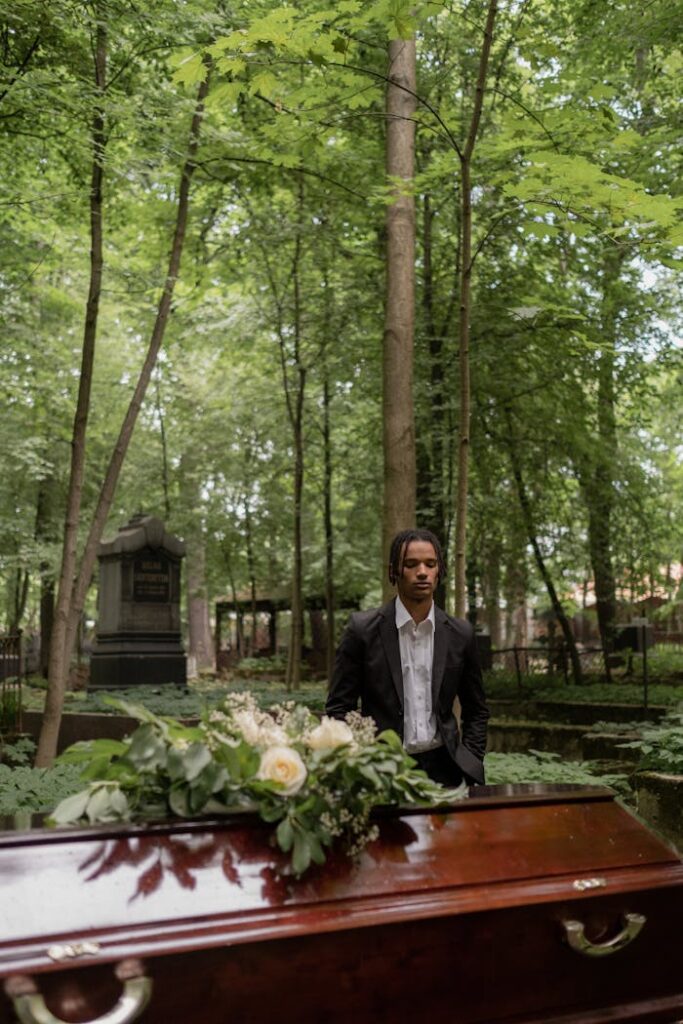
(402, 540)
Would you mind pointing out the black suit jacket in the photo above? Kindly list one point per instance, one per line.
(368, 668)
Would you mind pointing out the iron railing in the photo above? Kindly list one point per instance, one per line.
(11, 673)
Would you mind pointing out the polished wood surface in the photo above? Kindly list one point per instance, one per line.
(459, 909)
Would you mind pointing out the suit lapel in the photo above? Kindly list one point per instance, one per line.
(440, 648)
(389, 635)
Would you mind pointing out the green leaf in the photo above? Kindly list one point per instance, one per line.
(71, 809)
(265, 83)
(225, 95)
(392, 739)
(179, 801)
(77, 753)
(191, 70)
(285, 835)
(316, 851)
(147, 750)
(301, 856)
(99, 805)
(369, 773)
(98, 768)
(195, 759)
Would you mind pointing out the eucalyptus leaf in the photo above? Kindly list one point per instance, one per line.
(285, 835)
(71, 809)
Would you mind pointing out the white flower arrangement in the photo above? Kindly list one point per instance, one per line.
(318, 781)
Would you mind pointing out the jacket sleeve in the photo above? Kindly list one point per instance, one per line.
(475, 711)
(347, 678)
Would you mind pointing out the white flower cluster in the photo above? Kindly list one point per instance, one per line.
(288, 740)
(242, 719)
(364, 729)
(329, 735)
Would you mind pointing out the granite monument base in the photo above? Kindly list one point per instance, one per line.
(134, 659)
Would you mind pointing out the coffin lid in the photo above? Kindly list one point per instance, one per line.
(173, 886)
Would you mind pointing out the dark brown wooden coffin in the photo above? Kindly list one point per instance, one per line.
(551, 905)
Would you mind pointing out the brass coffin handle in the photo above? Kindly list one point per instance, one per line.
(575, 934)
(30, 1007)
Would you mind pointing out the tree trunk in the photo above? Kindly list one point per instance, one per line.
(464, 317)
(200, 644)
(251, 569)
(599, 469)
(399, 325)
(527, 514)
(49, 733)
(19, 596)
(239, 634)
(296, 414)
(60, 652)
(516, 589)
(329, 536)
(294, 401)
(297, 633)
(164, 450)
(490, 585)
(431, 496)
(44, 532)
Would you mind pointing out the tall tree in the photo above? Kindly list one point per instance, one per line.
(399, 324)
(60, 655)
(66, 626)
(466, 262)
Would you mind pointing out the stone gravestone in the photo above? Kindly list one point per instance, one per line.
(137, 641)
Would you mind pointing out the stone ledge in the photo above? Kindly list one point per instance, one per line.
(659, 800)
(575, 713)
(85, 726)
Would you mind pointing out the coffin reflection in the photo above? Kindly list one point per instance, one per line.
(521, 904)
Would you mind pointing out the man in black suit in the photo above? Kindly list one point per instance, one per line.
(407, 662)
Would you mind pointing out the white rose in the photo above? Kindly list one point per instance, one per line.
(283, 765)
(329, 734)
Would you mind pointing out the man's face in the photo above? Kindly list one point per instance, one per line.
(419, 573)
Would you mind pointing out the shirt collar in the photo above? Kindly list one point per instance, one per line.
(403, 616)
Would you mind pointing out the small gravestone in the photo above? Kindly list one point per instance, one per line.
(138, 641)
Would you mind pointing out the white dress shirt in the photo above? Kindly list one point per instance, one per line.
(416, 644)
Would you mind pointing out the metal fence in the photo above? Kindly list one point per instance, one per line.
(545, 660)
(660, 658)
(11, 672)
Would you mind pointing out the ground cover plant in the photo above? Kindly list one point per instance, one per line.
(36, 790)
(504, 686)
(190, 701)
(661, 745)
(541, 766)
(18, 751)
(183, 702)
